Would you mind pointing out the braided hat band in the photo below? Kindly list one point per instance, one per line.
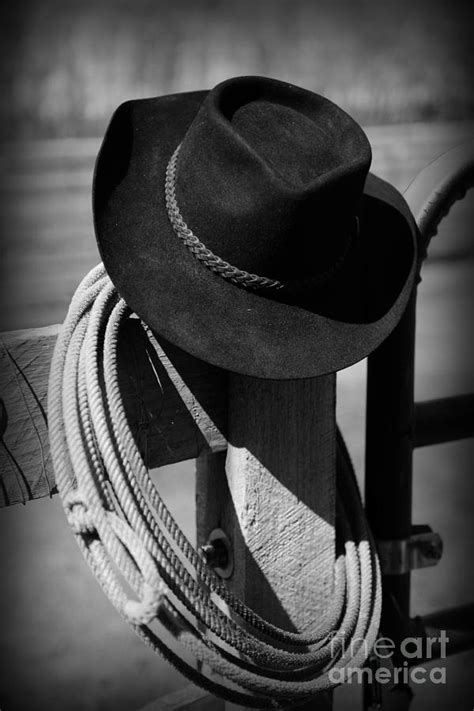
(220, 266)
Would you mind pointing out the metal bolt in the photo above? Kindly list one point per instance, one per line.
(217, 553)
(433, 549)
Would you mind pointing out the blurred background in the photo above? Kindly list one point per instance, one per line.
(403, 69)
(68, 64)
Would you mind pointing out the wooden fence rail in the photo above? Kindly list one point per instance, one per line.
(175, 410)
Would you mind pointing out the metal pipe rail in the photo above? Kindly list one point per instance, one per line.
(395, 423)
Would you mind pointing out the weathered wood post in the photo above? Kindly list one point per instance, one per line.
(273, 494)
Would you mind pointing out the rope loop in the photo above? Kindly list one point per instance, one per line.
(78, 514)
(142, 612)
(135, 547)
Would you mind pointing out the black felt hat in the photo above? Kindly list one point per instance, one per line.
(241, 224)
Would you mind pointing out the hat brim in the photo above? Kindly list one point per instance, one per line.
(209, 317)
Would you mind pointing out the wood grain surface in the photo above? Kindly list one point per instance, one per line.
(165, 401)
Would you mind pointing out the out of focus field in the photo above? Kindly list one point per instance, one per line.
(66, 64)
(403, 70)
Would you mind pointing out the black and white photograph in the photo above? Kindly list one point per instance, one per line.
(236, 355)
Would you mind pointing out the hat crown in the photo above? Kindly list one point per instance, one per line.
(266, 177)
(269, 177)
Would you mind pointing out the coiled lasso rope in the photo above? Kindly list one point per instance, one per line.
(149, 570)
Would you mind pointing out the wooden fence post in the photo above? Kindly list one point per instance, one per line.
(274, 497)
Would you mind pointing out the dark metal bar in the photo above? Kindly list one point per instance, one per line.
(389, 458)
(389, 449)
(444, 420)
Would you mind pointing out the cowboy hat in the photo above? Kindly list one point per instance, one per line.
(242, 225)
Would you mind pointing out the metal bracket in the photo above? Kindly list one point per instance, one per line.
(424, 548)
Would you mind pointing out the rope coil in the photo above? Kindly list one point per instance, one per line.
(148, 568)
